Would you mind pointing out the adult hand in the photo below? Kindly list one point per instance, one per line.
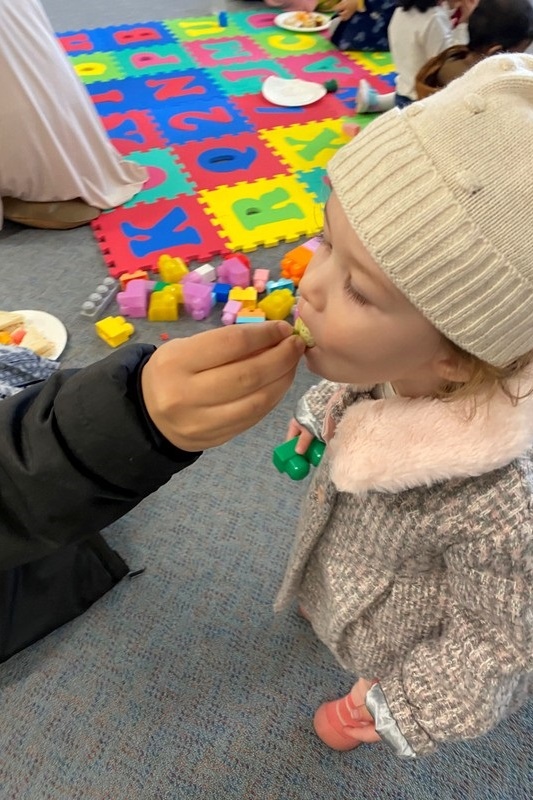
(202, 391)
(347, 8)
(467, 8)
(366, 729)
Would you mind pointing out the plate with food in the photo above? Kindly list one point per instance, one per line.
(37, 330)
(303, 21)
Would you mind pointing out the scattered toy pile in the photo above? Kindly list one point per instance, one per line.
(233, 283)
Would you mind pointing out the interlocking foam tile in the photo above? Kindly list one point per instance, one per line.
(133, 130)
(227, 169)
(202, 28)
(265, 212)
(154, 60)
(303, 147)
(240, 49)
(134, 238)
(97, 67)
(167, 178)
(243, 157)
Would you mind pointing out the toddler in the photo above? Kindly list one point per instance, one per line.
(418, 30)
(413, 559)
(495, 26)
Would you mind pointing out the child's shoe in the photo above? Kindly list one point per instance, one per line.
(367, 99)
(333, 720)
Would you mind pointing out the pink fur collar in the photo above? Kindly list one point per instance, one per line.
(399, 443)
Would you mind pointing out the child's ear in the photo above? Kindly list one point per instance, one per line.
(451, 367)
(496, 48)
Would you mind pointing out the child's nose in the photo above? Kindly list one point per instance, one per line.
(312, 286)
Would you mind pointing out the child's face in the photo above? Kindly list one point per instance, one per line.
(365, 330)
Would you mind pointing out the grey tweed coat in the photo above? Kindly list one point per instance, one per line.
(414, 555)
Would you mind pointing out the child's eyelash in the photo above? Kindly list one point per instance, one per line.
(353, 294)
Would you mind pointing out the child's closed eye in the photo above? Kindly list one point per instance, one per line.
(353, 294)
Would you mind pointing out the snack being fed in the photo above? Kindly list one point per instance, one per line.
(301, 330)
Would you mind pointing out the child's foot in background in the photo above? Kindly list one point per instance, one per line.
(369, 101)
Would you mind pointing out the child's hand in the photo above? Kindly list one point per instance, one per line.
(367, 731)
(306, 437)
(467, 8)
(204, 390)
(347, 8)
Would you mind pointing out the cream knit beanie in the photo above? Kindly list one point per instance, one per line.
(441, 194)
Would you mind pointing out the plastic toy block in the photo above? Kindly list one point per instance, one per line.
(221, 292)
(114, 330)
(171, 269)
(100, 298)
(223, 19)
(250, 315)
(158, 286)
(294, 263)
(240, 257)
(191, 277)
(232, 270)
(198, 299)
(248, 296)
(260, 279)
(281, 283)
(175, 290)
(296, 466)
(163, 307)
(133, 301)
(230, 311)
(278, 304)
(206, 272)
(138, 275)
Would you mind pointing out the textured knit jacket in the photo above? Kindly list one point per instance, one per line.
(414, 555)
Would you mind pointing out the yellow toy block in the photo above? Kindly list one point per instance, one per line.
(175, 290)
(114, 330)
(278, 304)
(248, 296)
(171, 269)
(163, 306)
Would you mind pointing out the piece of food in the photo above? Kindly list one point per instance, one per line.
(306, 20)
(34, 340)
(301, 330)
(10, 320)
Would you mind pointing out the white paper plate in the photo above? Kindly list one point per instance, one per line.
(51, 328)
(287, 22)
(291, 92)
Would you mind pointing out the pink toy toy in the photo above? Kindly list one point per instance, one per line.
(261, 276)
(133, 301)
(198, 299)
(230, 311)
(233, 271)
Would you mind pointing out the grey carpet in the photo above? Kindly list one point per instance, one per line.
(182, 683)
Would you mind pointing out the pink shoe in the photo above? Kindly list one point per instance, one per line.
(333, 720)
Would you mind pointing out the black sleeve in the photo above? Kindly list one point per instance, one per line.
(77, 452)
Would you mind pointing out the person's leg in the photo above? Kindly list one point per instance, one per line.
(369, 101)
(53, 146)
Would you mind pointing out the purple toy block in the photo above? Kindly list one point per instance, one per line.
(192, 277)
(313, 244)
(198, 299)
(133, 301)
(230, 311)
(233, 271)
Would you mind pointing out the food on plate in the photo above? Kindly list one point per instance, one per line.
(15, 331)
(306, 20)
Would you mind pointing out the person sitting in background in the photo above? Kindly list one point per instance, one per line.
(58, 168)
(418, 30)
(495, 26)
(363, 24)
